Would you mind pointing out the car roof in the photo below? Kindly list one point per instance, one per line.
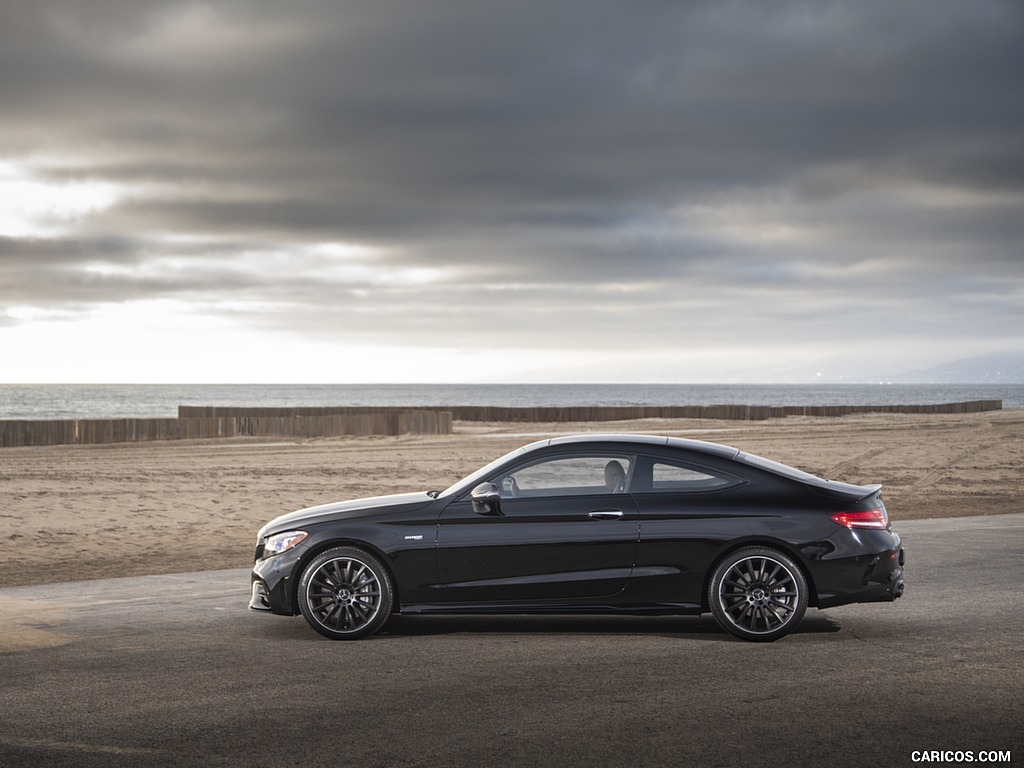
(697, 446)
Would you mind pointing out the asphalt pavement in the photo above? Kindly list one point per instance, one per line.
(173, 670)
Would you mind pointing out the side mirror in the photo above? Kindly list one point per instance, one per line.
(486, 499)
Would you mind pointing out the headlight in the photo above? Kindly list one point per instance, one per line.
(282, 542)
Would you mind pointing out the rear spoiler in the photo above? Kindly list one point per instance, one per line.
(847, 490)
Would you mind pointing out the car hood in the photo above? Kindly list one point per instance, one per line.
(339, 510)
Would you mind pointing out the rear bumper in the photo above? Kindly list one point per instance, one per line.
(874, 577)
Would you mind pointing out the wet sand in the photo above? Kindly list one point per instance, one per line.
(81, 512)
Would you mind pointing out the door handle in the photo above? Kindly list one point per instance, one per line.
(605, 514)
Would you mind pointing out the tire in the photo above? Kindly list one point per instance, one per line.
(758, 594)
(345, 593)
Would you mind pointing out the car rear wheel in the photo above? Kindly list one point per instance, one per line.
(345, 594)
(758, 593)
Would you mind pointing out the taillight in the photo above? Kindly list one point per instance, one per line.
(871, 518)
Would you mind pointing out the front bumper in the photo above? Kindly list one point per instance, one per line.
(260, 600)
(272, 580)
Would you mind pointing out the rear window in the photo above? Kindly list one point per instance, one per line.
(781, 469)
(667, 476)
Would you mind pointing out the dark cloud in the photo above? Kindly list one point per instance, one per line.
(573, 172)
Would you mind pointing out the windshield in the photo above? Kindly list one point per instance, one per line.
(470, 481)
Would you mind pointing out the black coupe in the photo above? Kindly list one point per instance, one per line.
(589, 524)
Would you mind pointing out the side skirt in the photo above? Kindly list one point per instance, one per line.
(655, 609)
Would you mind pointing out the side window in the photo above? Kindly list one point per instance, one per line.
(568, 476)
(678, 477)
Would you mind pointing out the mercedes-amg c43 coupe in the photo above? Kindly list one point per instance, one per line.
(589, 524)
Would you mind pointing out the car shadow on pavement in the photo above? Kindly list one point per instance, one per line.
(679, 627)
(690, 627)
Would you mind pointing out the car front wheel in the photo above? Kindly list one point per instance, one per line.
(345, 594)
(758, 593)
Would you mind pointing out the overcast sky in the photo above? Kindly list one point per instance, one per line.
(538, 191)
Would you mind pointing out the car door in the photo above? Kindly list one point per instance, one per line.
(687, 512)
(564, 529)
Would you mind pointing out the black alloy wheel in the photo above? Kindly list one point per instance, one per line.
(345, 594)
(758, 593)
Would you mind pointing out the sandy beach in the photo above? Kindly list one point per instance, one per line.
(83, 512)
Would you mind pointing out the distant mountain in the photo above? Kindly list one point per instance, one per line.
(987, 369)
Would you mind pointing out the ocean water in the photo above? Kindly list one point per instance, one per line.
(99, 401)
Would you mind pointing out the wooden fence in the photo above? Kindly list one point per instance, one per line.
(393, 422)
(970, 406)
(204, 422)
(602, 413)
